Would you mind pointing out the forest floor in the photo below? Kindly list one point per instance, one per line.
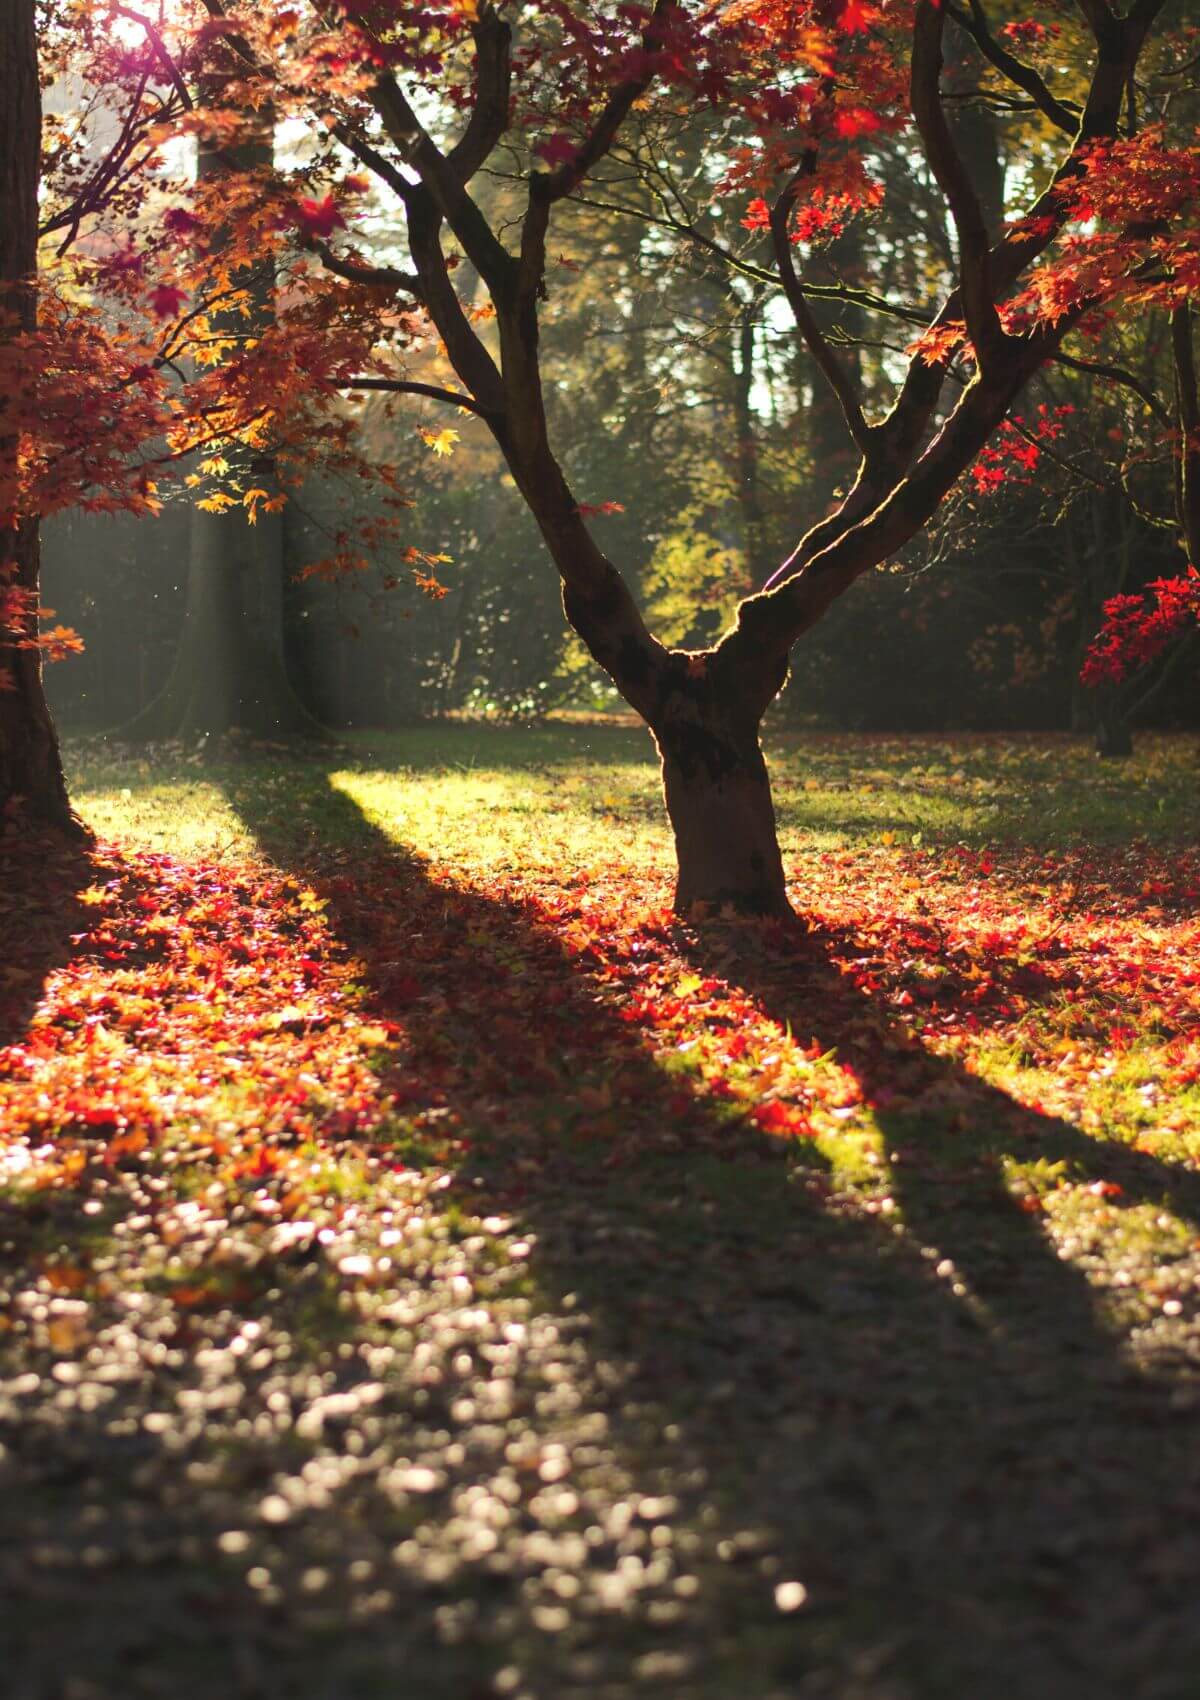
(428, 1267)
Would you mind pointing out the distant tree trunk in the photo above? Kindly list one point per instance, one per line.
(749, 477)
(230, 672)
(1187, 405)
(1111, 573)
(31, 775)
(975, 128)
(1114, 734)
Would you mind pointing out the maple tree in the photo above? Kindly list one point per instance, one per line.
(116, 376)
(790, 98)
(804, 90)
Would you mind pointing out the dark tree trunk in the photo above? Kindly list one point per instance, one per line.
(1114, 734)
(749, 477)
(230, 673)
(1187, 404)
(31, 775)
(718, 798)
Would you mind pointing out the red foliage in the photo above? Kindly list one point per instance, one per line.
(1138, 629)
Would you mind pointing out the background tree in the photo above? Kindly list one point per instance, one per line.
(230, 672)
(30, 769)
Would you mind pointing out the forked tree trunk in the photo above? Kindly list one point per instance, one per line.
(31, 775)
(705, 709)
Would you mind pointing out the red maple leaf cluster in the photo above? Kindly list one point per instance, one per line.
(1137, 629)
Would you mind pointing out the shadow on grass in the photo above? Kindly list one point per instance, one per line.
(729, 1379)
(975, 1486)
(41, 877)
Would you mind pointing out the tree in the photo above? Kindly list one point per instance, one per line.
(30, 768)
(230, 672)
(1139, 629)
(74, 404)
(796, 91)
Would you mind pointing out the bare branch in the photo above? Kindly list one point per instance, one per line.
(953, 179)
(1117, 375)
(374, 277)
(1061, 113)
(555, 184)
(402, 386)
(815, 340)
(161, 52)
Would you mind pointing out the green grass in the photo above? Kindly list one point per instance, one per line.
(557, 797)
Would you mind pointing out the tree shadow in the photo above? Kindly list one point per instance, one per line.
(41, 877)
(745, 1437)
(976, 1483)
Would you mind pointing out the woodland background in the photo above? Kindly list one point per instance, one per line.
(680, 388)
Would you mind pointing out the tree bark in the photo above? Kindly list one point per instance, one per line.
(718, 798)
(31, 775)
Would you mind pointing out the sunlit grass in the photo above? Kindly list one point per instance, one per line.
(565, 797)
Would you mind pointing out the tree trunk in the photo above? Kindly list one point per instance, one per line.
(1114, 735)
(749, 479)
(31, 775)
(1110, 573)
(230, 674)
(718, 797)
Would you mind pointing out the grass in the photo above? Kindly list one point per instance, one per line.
(594, 791)
(425, 1261)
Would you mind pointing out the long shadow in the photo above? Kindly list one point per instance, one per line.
(977, 1487)
(41, 877)
(758, 1442)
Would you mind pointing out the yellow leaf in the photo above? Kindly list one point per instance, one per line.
(441, 442)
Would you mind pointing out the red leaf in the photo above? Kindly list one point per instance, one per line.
(166, 300)
(855, 18)
(318, 219)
